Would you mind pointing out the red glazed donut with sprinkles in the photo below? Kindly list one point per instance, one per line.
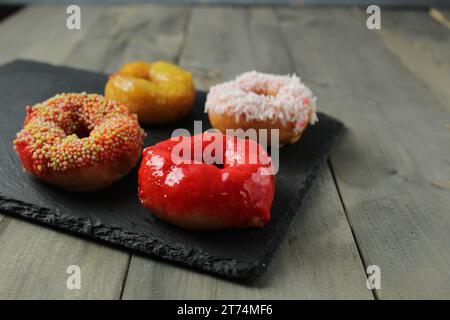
(256, 100)
(79, 141)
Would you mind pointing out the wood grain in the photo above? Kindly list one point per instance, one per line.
(59, 41)
(391, 166)
(133, 32)
(99, 45)
(40, 33)
(318, 258)
(393, 163)
(422, 45)
(35, 259)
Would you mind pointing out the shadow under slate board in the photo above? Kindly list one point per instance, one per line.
(115, 216)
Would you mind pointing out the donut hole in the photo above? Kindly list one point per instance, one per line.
(264, 92)
(82, 131)
(77, 127)
(199, 159)
(194, 157)
(261, 90)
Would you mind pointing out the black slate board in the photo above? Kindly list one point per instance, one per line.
(114, 215)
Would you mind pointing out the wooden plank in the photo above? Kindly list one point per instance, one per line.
(132, 32)
(422, 45)
(40, 32)
(35, 259)
(59, 41)
(392, 165)
(318, 258)
(26, 24)
(317, 242)
(100, 44)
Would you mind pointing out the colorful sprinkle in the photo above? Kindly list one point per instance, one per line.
(72, 130)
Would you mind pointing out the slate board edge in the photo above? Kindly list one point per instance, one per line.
(195, 258)
(296, 203)
(32, 62)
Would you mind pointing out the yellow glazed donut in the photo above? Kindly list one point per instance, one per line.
(158, 92)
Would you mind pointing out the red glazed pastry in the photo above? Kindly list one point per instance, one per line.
(79, 142)
(202, 195)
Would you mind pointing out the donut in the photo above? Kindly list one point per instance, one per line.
(79, 141)
(194, 193)
(262, 101)
(158, 92)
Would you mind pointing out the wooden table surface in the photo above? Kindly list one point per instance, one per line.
(382, 199)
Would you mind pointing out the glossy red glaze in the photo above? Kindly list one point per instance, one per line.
(202, 195)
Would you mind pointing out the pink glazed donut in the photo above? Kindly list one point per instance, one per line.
(262, 101)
